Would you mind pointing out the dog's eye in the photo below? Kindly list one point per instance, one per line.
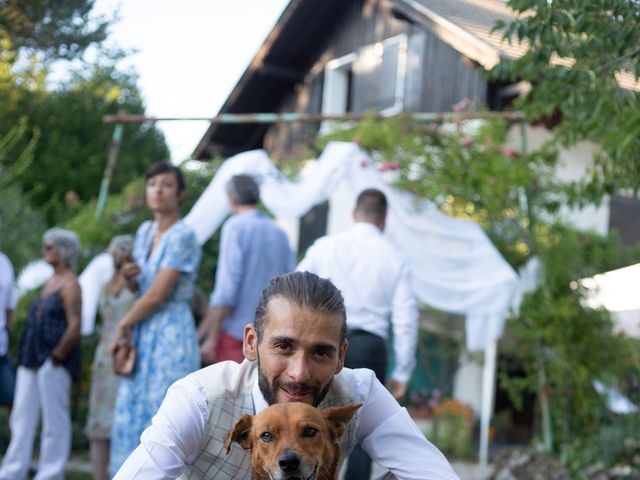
(266, 437)
(309, 432)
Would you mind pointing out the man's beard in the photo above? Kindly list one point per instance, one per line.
(269, 392)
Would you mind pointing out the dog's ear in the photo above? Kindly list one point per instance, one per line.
(338, 417)
(241, 433)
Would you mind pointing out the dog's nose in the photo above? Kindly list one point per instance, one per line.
(289, 461)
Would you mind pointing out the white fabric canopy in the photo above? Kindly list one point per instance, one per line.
(456, 268)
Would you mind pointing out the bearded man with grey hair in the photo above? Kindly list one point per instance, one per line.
(253, 249)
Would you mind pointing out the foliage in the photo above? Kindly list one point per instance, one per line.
(615, 444)
(56, 29)
(571, 344)
(468, 172)
(561, 345)
(576, 48)
(71, 150)
(452, 431)
(20, 225)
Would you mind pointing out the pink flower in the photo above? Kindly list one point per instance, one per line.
(461, 105)
(364, 164)
(509, 152)
(389, 166)
(467, 142)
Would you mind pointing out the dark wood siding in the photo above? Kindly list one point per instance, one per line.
(624, 216)
(448, 77)
(437, 75)
(365, 22)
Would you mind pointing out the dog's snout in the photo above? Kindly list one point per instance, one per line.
(289, 461)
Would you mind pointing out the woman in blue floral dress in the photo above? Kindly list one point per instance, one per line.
(166, 256)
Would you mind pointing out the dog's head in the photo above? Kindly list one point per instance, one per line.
(293, 441)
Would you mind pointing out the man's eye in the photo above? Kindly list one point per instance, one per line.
(266, 437)
(322, 353)
(309, 432)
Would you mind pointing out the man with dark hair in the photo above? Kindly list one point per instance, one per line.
(253, 249)
(374, 278)
(294, 353)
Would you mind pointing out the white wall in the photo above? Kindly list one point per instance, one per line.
(573, 164)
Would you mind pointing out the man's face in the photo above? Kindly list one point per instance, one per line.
(299, 353)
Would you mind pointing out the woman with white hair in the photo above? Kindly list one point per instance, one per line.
(115, 301)
(48, 360)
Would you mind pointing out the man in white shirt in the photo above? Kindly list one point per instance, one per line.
(7, 307)
(374, 278)
(294, 352)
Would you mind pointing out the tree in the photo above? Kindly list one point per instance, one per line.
(577, 50)
(560, 345)
(20, 225)
(56, 29)
(71, 151)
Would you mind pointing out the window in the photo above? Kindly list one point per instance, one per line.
(624, 216)
(370, 79)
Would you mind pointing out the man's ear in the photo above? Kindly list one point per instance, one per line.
(250, 343)
(240, 433)
(339, 417)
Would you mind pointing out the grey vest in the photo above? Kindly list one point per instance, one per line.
(226, 406)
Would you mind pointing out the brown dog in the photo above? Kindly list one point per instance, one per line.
(293, 441)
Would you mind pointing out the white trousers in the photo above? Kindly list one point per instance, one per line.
(46, 389)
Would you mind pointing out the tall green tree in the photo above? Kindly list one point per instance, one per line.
(71, 152)
(58, 29)
(583, 62)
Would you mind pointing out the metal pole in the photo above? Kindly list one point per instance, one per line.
(110, 167)
(488, 389)
(248, 118)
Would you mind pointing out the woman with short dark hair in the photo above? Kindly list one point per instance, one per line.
(166, 257)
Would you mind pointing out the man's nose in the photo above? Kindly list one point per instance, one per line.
(299, 368)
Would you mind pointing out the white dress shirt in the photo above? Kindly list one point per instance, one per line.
(383, 427)
(375, 281)
(7, 299)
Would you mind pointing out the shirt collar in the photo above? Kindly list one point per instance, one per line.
(366, 227)
(250, 213)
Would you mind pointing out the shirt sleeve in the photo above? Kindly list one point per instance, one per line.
(230, 270)
(404, 321)
(182, 252)
(173, 439)
(383, 422)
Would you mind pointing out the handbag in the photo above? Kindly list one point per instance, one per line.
(124, 358)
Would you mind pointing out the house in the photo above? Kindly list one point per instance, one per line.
(338, 56)
(391, 56)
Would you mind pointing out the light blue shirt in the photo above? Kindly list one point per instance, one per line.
(253, 250)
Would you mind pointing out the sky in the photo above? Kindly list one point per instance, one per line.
(190, 54)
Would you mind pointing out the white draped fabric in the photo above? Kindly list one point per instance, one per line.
(456, 268)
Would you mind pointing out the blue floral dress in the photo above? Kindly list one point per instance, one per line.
(166, 341)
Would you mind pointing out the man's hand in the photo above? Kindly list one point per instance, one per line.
(397, 389)
(208, 349)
